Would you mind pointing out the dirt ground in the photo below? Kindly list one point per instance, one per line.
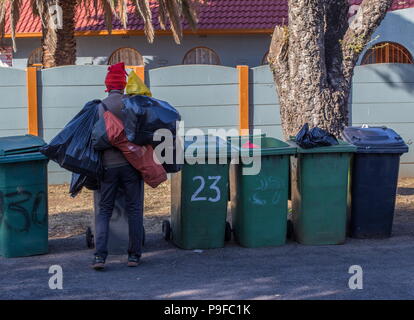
(404, 213)
(69, 217)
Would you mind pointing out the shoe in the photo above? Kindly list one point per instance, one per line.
(98, 263)
(133, 260)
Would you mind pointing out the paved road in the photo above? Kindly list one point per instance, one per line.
(289, 272)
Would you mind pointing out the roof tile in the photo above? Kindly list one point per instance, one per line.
(215, 14)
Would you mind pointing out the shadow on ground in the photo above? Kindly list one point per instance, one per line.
(292, 271)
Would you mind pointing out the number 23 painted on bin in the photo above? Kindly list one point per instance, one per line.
(213, 186)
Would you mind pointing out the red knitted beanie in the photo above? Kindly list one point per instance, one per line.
(116, 77)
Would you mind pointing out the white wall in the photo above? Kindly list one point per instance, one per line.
(398, 26)
(232, 49)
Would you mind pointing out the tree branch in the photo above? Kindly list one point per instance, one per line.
(368, 18)
(336, 25)
(278, 55)
(306, 42)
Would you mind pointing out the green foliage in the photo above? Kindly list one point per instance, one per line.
(356, 45)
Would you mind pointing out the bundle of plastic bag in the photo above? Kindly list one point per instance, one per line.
(140, 157)
(174, 165)
(72, 147)
(136, 86)
(100, 139)
(80, 181)
(143, 116)
(315, 137)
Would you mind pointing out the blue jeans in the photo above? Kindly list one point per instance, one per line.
(130, 181)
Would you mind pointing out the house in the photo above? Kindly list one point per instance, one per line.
(230, 33)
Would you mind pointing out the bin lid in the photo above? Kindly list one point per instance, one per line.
(267, 145)
(342, 147)
(20, 148)
(213, 147)
(20, 144)
(375, 139)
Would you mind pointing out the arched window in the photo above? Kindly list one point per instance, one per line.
(36, 58)
(387, 52)
(264, 60)
(129, 56)
(201, 55)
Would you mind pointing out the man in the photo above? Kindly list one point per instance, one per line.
(118, 174)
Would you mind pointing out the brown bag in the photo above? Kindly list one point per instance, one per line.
(140, 157)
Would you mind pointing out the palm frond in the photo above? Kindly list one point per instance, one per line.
(144, 10)
(38, 7)
(173, 11)
(162, 14)
(123, 12)
(14, 19)
(3, 9)
(189, 10)
(109, 9)
(170, 12)
(174, 16)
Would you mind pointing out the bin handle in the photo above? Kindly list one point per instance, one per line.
(366, 126)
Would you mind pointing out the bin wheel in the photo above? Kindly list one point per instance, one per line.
(227, 233)
(144, 236)
(289, 230)
(89, 238)
(166, 230)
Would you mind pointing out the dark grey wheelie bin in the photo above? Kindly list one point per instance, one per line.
(374, 180)
(118, 227)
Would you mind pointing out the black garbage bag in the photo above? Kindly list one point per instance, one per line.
(143, 116)
(53, 150)
(79, 181)
(165, 151)
(72, 148)
(174, 166)
(315, 137)
(100, 139)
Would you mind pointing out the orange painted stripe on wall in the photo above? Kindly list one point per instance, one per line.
(243, 99)
(141, 32)
(32, 107)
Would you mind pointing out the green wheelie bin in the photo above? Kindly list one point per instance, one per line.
(259, 202)
(320, 193)
(199, 196)
(23, 197)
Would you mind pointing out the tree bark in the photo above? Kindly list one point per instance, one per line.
(58, 41)
(313, 58)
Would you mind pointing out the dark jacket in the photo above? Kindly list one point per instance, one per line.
(113, 157)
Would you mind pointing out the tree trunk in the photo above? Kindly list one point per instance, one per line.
(313, 58)
(58, 40)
